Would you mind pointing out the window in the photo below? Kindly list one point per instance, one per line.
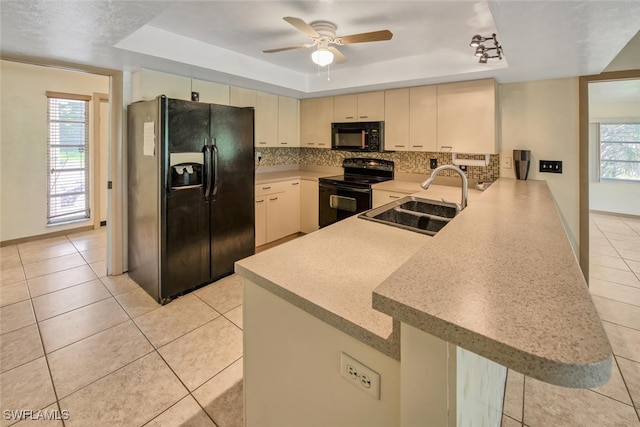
(68, 158)
(620, 151)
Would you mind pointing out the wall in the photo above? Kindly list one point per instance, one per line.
(610, 196)
(23, 142)
(542, 116)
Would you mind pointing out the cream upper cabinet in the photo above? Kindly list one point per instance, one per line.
(371, 106)
(148, 84)
(288, 122)
(266, 118)
(361, 107)
(467, 117)
(316, 115)
(210, 92)
(423, 116)
(396, 122)
(241, 97)
(345, 108)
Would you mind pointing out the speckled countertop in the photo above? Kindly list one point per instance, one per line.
(505, 284)
(500, 280)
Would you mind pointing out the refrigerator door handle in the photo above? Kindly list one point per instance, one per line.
(206, 151)
(215, 170)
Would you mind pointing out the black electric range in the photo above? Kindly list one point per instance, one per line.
(342, 196)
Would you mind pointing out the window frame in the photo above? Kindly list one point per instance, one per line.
(53, 216)
(599, 152)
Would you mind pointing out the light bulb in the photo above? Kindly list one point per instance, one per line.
(322, 57)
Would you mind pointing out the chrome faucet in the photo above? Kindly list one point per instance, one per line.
(465, 183)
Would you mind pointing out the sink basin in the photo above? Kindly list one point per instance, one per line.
(414, 213)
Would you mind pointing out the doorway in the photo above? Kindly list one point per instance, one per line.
(100, 158)
(586, 155)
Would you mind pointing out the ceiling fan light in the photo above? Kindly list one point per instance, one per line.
(480, 50)
(322, 57)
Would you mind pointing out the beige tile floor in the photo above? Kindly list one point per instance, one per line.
(615, 288)
(102, 351)
(73, 339)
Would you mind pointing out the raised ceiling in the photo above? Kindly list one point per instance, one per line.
(223, 40)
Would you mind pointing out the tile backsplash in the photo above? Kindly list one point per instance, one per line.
(405, 162)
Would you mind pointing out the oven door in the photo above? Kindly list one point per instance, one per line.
(337, 202)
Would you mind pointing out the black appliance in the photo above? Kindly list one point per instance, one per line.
(345, 195)
(191, 193)
(358, 136)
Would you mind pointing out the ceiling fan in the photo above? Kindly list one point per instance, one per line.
(323, 36)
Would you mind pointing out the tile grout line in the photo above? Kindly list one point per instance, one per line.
(156, 350)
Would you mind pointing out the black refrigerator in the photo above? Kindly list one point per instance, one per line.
(190, 193)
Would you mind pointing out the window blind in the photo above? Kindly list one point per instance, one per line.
(68, 158)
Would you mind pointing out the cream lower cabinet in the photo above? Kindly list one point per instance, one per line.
(309, 217)
(277, 210)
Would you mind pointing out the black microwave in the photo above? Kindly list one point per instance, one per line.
(358, 136)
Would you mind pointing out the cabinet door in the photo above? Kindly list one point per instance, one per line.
(276, 217)
(241, 97)
(396, 124)
(323, 123)
(308, 122)
(466, 117)
(261, 220)
(288, 119)
(345, 108)
(148, 84)
(423, 114)
(371, 106)
(291, 199)
(308, 206)
(266, 130)
(316, 115)
(211, 93)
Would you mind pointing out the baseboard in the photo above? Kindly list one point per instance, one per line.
(614, 214)
(45, 236)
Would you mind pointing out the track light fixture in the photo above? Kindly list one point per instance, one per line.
(477, 41)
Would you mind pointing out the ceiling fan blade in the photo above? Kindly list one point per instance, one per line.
(374, 36)
(280, 49)
(338, 57)
(302, 26)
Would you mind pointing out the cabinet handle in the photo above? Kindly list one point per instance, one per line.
(401, 146)
(394, 197)
(275, 198)
(262, 142)
(364, 117)
(349, 117)
(259, 201)
(321, 143)
(295, 183)
(283, 143)
(310, 143)
(266, 188)
(446, 147)
(417, 146)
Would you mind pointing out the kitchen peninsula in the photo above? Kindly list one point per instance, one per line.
(439, 318)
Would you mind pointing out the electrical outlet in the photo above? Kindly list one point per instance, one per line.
(259, 155)
(361, 376)
(433, 163)
(506, 162)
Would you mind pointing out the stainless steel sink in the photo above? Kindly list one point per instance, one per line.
(414, 213)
